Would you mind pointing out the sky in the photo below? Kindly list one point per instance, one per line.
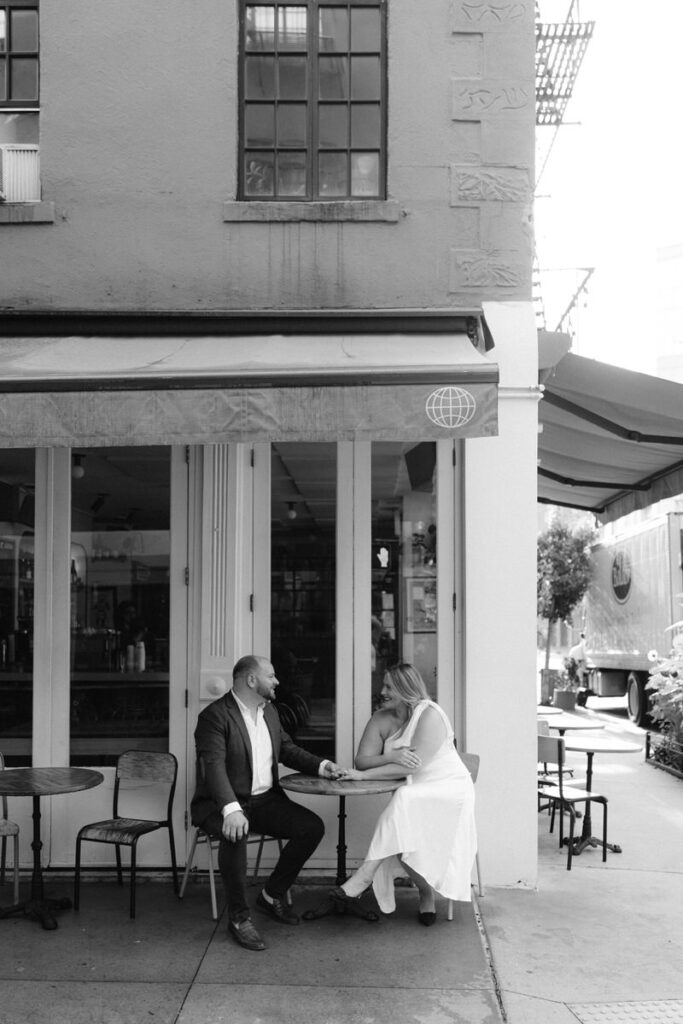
(611, 193)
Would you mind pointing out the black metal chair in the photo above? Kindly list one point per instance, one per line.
(551, 751)
(133, 768)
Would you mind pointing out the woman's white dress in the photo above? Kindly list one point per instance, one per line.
(429, 821)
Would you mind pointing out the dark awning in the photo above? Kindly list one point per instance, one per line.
(85, 390)
(611, 440)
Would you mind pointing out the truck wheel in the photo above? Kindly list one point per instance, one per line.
(637, 699)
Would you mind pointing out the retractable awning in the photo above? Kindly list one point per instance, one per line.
(170, 389)
(611, 440)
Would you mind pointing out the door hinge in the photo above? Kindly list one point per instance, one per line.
(187, 454)
(251, 458)
(186, 821)
(187, 698)
(186, 576)
(455, 601)
(454, 458)
(251, 602)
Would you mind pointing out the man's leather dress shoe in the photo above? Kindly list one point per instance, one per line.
(244, 933)
(277, 909)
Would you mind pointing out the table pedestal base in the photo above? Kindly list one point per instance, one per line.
(582, 842)
(330, 906)
(37, 910)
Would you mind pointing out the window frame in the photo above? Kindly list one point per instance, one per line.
(311, 149)
(8, 54)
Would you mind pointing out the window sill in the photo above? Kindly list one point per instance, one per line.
(256, 211)
(27, 213)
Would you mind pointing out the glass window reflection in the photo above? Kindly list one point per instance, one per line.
(303, 603)
(334, 30)
(24, 27)
(120, 598)
(404, 560)
(17, 582)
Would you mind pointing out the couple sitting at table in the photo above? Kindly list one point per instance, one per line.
(426, 831)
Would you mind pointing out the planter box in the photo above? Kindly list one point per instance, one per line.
(565, 699)
(667, 755)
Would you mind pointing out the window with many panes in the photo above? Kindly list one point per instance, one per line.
(313, 100)
(19, 101)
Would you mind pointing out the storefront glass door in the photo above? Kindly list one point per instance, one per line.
(303, 573)
(404, 560)
(17, 580)
(119, 602)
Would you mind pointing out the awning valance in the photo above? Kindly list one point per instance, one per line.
(612, 439)
(171, 390)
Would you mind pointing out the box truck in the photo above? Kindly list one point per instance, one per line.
(634, 598)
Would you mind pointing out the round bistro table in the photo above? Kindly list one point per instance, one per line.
(564, 722)
(37, 782)
(591, 745)
(313, 785)
(317, 786)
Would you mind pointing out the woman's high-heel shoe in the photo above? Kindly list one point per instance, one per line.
(426, 917)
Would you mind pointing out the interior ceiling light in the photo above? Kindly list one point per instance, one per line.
(291, 511)
(77, 467)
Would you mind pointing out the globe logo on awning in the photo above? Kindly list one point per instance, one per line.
(450, 407)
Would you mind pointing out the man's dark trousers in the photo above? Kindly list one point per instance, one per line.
(271, 814)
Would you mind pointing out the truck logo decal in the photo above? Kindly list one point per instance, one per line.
(621, 576)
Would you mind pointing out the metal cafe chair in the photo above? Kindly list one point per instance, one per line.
(551, 751)
(9, 830)
(134, 767)
(471, 762)
(212, 842)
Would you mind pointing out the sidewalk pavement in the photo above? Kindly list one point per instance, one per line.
(174, 965)
(598, 943)
(602, 942)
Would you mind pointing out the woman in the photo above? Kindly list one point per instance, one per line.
(427, 830)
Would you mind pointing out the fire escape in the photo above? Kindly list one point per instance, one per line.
(560, 49)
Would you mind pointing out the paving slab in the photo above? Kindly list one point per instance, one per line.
(329, 1004)
(100, 942)
(338, 951)
(69, 1002)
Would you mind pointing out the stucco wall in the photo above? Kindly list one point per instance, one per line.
(139, 151)
(500, 621)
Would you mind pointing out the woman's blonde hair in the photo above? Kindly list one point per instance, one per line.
(407, 682)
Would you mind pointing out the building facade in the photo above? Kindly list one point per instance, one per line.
(269, 382)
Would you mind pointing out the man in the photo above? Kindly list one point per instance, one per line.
(239, 743)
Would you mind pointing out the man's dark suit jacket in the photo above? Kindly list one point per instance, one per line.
(224, 750)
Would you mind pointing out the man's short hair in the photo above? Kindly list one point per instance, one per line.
(249, 663)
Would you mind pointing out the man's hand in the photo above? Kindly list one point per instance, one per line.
(235, 826)
(333, 771)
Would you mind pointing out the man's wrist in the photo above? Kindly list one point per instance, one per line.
(322, 766)
(231, 808)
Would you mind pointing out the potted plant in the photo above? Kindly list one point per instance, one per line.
(567, 686)
(666, 707)
(563, 574)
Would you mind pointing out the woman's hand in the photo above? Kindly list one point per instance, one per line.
(353, 774)
(406, 757)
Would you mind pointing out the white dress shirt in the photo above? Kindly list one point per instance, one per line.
(261, 753)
